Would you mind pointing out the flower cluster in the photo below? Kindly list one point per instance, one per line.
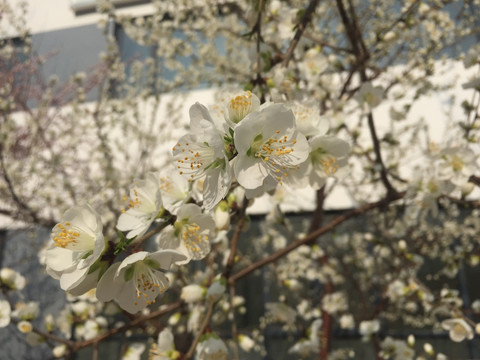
(258, 147)
(240, 144)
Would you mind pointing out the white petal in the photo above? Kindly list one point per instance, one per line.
(87, 284)
(167, 239)
(165, 258)
(141, 255)
(59, 259)
(198, 112)
(216, 186)
(250, 172)
(107, 287)
(188, 210)
(69, 280)
(278, 118)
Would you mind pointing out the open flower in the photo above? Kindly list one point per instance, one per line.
(190, 234)
(26, 311)
(369, 96)
(145, 202)
(457, 164)
(268, 145)
(327, 158)
(240, 105)
(211, 347)
(164, 349)
(458, 329)
(309, 121)
(77, 244)
(202, 154)
(138, 279)
(174, 189)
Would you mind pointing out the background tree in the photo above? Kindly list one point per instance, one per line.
(331, 62)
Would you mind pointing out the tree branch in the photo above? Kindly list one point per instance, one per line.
(203, 326)
(328, 227)
(306, 18)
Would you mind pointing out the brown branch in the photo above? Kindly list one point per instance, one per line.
(306, 18)
(234, 242)
(258, 29)
(315, 234)
(474, 179)
(82, 344)
(203, 326)
(378, 156)
(362, 55)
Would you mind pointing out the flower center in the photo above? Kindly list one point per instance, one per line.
(134, 203)
(192, 237)
(327, 161)
(146, 283)
(65, 236)
(240, 106)
(274, 152)
(457, 163)
(166, 184)
(459, 329)
(329, 164)
(194, 159)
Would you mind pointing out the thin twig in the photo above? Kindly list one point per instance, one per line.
(306, 18)
(324, 229)
(234, 242)
(82, 344)
(258, 28)
(203, 326)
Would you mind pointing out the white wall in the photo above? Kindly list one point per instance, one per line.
(48, 15)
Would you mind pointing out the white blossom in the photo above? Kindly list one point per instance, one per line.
(144, 204)
(211, 348)
(369, 327)
(134, 352)
(201, 154)
(77, 244)
(138, 280)
(24, 326)
(327, 158)
(26, 311)
(190, 234)
(216, 290)
(458, 329)
(59, 351)
(192, 293)
(369, 96)
(269, 147)
(164, 348)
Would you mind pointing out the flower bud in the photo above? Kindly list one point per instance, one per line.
(428, 348)
(216, 290)
(222, 216)
(192, 293)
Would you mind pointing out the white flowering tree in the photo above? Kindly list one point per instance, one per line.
(149, 222)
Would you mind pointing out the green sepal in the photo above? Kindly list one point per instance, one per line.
(87, 254)
(129, 273)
